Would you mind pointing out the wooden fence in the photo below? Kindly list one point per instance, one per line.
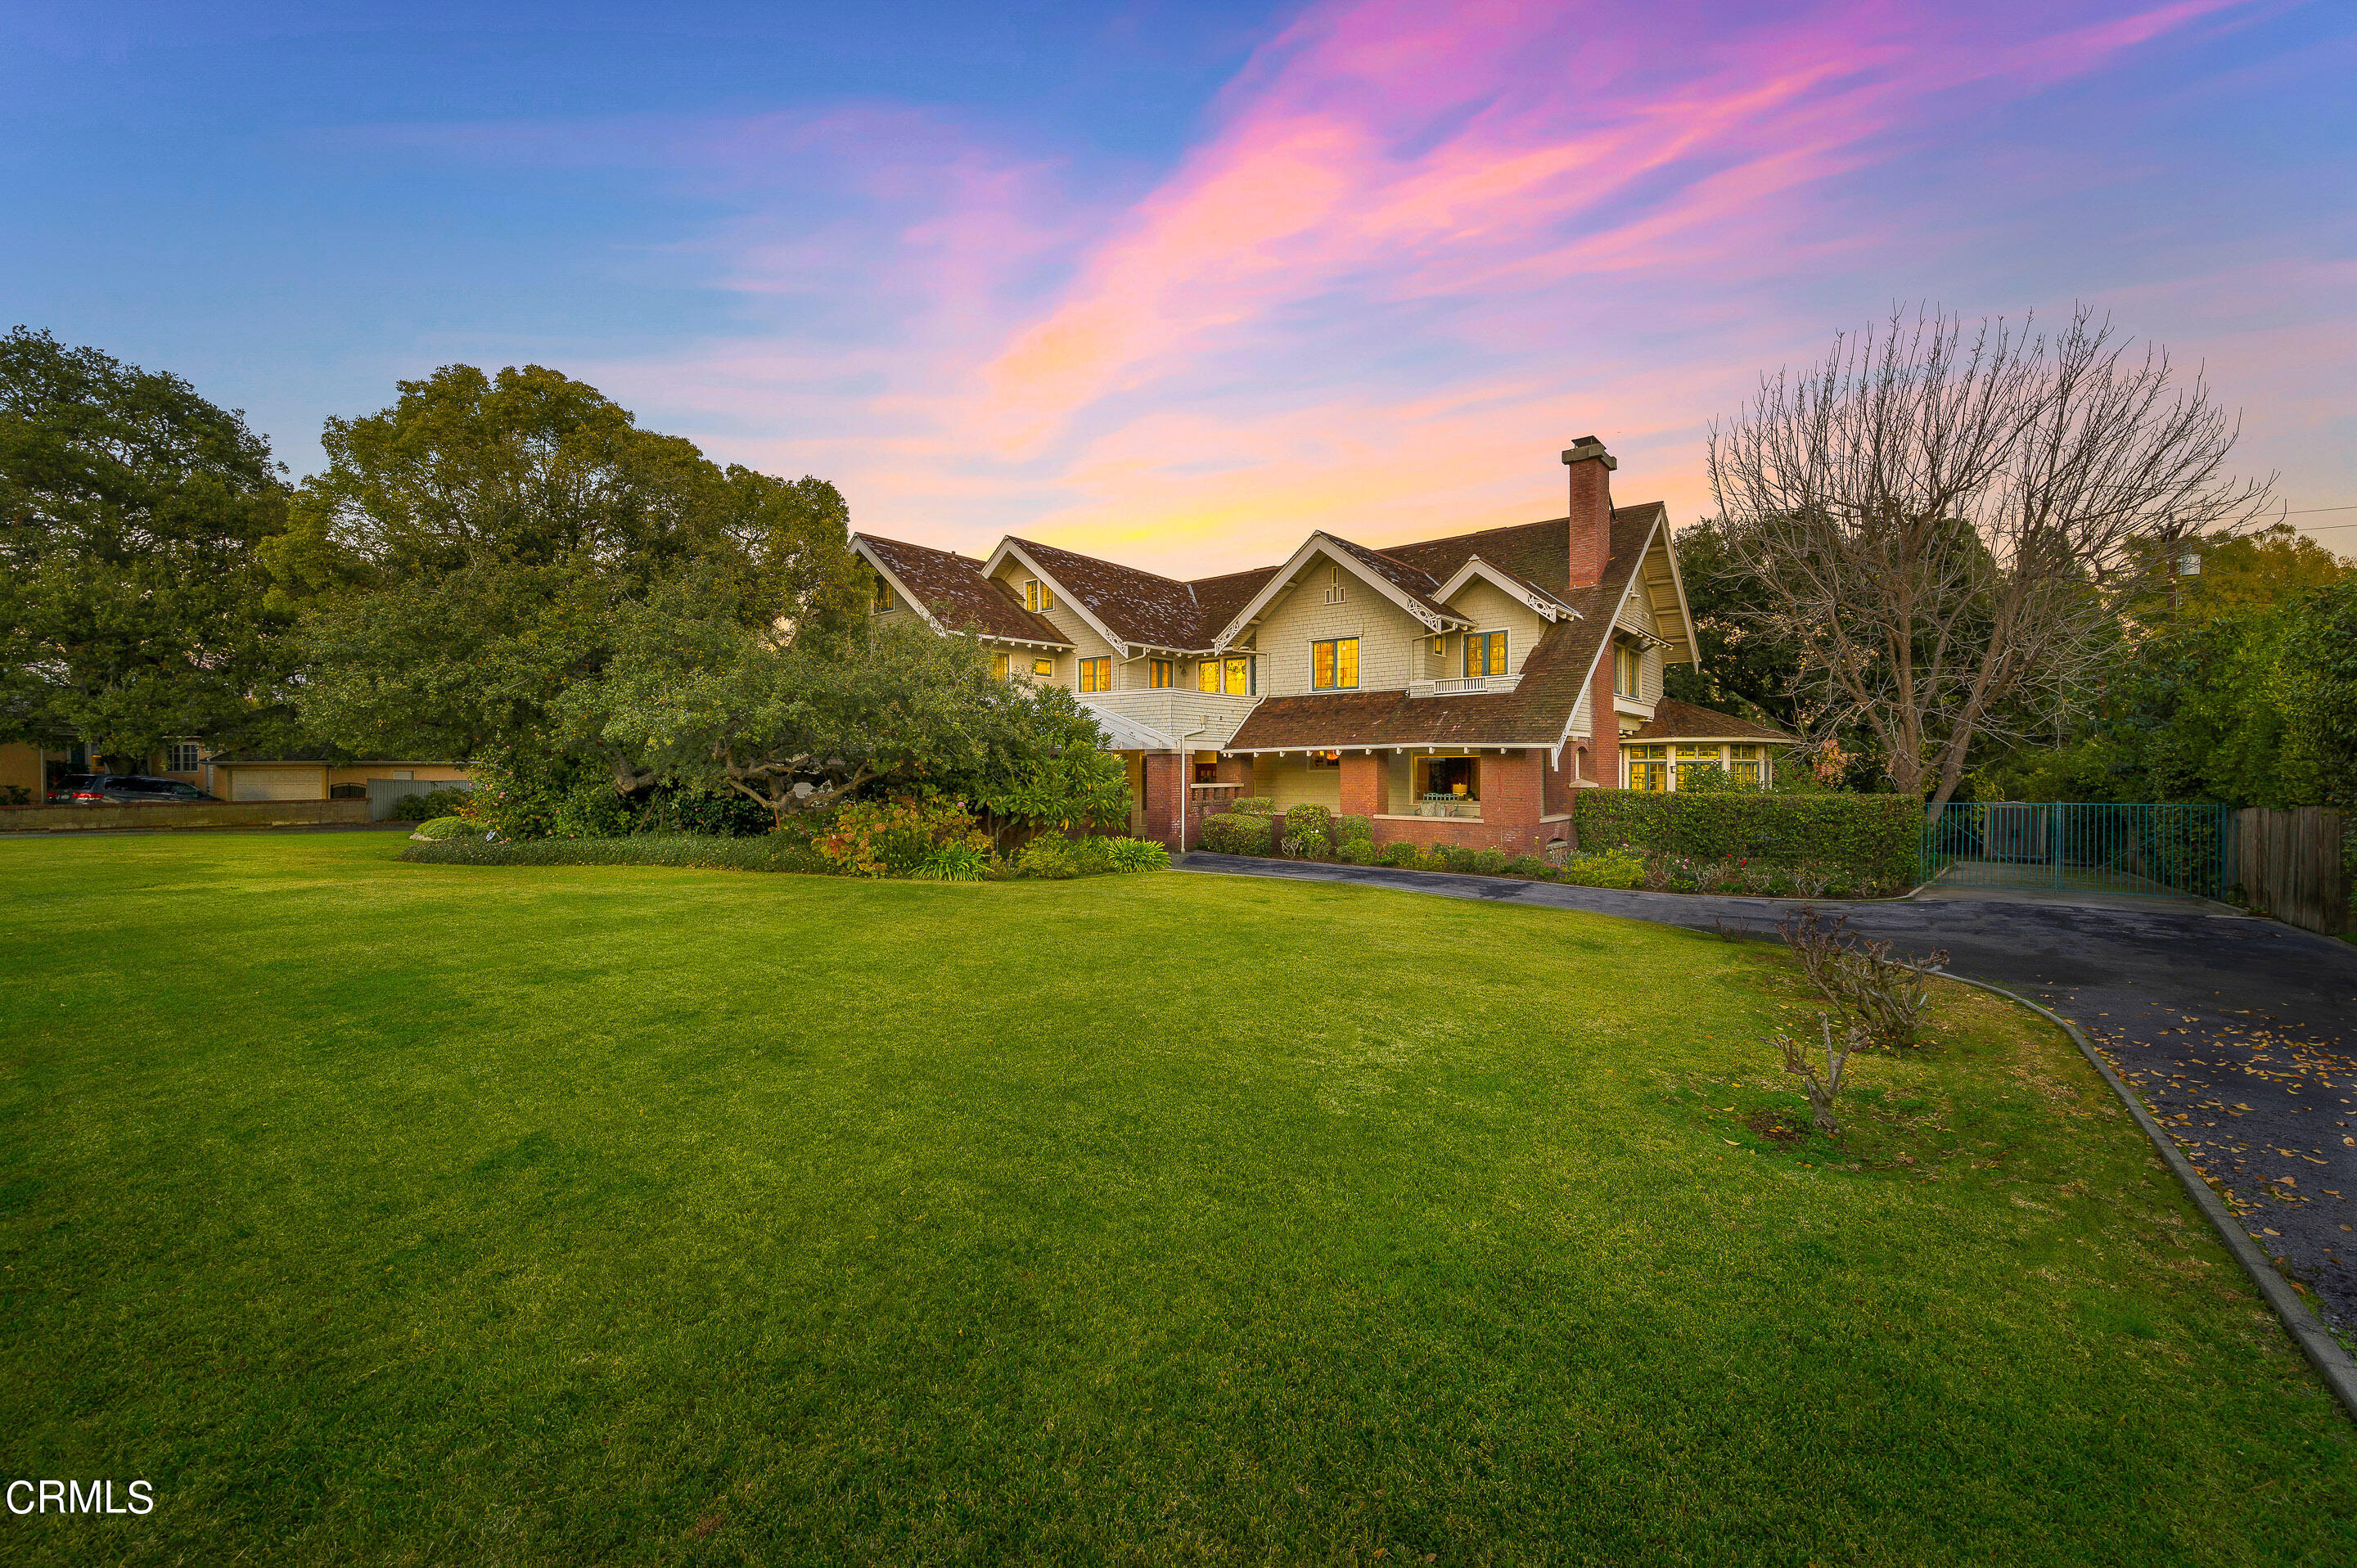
(2291, 865)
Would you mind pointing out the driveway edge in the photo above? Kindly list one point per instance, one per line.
(2323, 1351)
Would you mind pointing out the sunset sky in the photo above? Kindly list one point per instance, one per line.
(1180, 283)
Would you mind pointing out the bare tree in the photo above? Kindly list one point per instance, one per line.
(1945, 526)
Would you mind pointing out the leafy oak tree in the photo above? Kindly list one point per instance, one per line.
(134, 518)
(463, 562)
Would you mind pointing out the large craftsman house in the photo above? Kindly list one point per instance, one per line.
(1455, 690)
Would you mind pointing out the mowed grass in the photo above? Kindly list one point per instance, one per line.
(386, 1213)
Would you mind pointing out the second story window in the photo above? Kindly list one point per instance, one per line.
(998, 666)
(1096, 674)
(1334, 665)
(1628, 667)
(1232, 676)
(1044, 669)
(1161, 673)
(1037, 595)
(1485, 653)
(883, 600)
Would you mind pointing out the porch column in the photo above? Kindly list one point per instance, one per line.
(1366, 784)
(1164, 795)
(1513, 795)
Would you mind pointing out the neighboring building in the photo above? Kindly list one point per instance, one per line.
(1449, 689)
(310, 776)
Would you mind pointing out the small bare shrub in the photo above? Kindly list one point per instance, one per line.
(1757, 878)
(1810, 879)
(1883, 995)
(1659, 869)
(1823, 1091)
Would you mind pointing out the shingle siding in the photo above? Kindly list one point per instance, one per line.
(1388, 636)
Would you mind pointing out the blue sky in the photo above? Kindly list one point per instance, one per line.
(1180, 280)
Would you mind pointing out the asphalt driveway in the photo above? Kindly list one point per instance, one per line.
(2240, 1033)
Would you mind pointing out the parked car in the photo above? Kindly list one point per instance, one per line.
(63, 792)
(134, 789)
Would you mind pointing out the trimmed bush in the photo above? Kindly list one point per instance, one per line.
(1400, 853)
(647, 849)
(1356, 852)
(1254, 806)
(1869, 838)
(1488, 863)
(1348, 830)
(449, 828)
(1529, 865)
(1300, 821)
(1048, 857)
(1614, 868)
(429, 805)
(1235, 834)
(1307, 845)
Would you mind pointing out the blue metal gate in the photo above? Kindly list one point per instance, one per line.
(2154, 850)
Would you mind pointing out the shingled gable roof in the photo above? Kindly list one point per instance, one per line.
(1410, 587)
(951, 591)
(1128, 606)
(1674, 720)
(1537, 712)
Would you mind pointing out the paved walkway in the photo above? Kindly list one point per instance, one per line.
(2240, 1033)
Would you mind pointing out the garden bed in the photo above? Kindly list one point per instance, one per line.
(1049, 857)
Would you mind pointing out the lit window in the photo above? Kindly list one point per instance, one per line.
(1096, 674)
(1207, 675)
(998, 666)
(1325, 759)
(1334, 665)
(1239, 674)
(1649, 767)
(1161, 673)
(1485, 653)
(1045, 669)
(1038, 596)
(1693, 759)
(883, 601)
(1628, 667)
(1743, 765)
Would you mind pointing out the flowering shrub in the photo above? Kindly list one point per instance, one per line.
(897, 837)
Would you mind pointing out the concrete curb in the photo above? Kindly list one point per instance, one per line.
(2323, 1351)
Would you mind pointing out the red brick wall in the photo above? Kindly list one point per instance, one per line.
(1591, 522)
(1513, 789)
(1604, 752)
(1366, 785)
(1165, 790)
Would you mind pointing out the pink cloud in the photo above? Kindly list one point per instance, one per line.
(1416, 250)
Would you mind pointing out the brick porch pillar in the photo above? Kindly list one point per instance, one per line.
(1164, 788)
(1366, 785)
(1514, 796)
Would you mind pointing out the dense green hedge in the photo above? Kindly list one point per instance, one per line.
(646, 849)
(1872, 838)
(1228, 833)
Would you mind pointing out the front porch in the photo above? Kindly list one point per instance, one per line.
(1507, 797)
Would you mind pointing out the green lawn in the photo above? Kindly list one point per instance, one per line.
(389, 1213)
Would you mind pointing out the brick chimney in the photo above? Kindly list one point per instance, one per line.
(1592, 509)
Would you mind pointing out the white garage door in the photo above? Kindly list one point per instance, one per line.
(277, 787)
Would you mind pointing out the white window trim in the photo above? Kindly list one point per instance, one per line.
(1314, 643)
(1486, 631)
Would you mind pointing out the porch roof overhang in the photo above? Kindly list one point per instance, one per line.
(1125, 733)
